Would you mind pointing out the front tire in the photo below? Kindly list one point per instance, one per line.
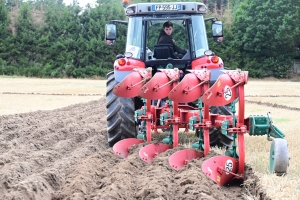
(119, 114)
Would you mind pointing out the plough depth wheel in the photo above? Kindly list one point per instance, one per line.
(279, 158)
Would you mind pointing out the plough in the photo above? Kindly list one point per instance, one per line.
(176, 113)
(160, 90)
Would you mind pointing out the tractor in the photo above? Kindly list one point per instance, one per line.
(153, 88)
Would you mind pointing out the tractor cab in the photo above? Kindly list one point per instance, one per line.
(145, 23)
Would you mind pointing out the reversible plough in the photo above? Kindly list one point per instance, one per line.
(177, 113)
(153, 87)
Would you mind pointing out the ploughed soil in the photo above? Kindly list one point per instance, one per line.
(63, 154)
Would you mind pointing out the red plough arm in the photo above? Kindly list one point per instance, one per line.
(129, 88)
(158, 87)
(226, 89)
(191, 88)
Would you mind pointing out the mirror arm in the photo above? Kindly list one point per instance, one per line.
(212, 19)
(119, 22)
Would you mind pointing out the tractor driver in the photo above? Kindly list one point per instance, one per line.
(165, 37)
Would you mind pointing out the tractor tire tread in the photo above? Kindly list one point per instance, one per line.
(119, 114)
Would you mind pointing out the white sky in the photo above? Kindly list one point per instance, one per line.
(82, 3)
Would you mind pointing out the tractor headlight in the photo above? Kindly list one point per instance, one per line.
(202, 8)
(130, 11)
(128, 54)
(209, 53)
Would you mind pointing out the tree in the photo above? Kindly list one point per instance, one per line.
(260, 29)
(47, 38)
(4, 32)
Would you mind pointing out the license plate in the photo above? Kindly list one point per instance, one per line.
(166, 7)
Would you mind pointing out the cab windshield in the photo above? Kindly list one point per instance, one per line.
(199, 36)
(188, 33)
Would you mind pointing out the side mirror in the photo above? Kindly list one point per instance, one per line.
(217, 30)
(110, 32)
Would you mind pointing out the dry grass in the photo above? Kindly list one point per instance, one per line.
(272, 87)
(257, 148)
(48, 94)
(52, 86)
(295, 101)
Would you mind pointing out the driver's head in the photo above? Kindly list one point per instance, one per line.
(168, 27)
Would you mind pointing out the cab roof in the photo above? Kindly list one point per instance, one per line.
(166, 8)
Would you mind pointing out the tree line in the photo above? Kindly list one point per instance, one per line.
(46, 38)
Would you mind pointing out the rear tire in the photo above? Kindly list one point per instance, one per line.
(216, 137)
(119, 114)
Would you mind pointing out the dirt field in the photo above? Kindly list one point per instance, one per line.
(62, 154)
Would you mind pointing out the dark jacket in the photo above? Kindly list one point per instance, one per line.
(163, 38)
